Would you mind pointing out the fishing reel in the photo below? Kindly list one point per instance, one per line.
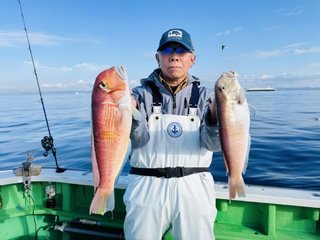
(47, 144)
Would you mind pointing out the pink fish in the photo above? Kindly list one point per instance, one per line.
(234, 122)
(111, 124)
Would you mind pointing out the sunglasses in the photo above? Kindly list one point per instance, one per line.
(177, 50)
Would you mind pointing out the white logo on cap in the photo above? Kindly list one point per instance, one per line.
(175, 33)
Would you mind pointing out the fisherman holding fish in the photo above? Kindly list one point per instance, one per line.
(170, 185)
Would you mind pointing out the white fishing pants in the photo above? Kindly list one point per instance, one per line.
(185, 205)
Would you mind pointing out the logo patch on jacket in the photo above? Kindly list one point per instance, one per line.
(174, 129)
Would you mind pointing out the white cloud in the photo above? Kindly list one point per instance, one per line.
(262, 54)
(228, 32)
(285, 75)
(54, 85)
(18, 39)
(78, 84)
(285, 79)
(267, 76)
(300, 51)
(50, 68)
(293, 45)
(66, 77)
(83, 66)
(295, 12)
(315, 65)
(82, 82)
(90, 66)
(253, 77)
(248, 77)
(288, 49)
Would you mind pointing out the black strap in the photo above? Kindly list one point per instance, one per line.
(167, 172)
(157, 97)
(195, 95)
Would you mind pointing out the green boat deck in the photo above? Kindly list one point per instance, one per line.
(26, 215)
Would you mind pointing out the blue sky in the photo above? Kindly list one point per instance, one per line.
(270, 43)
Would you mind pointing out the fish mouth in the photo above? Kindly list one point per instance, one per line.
(121, 72)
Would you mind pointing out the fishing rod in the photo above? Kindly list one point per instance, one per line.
(47, 141)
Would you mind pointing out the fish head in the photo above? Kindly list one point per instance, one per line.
(227, 87)
(110, 85)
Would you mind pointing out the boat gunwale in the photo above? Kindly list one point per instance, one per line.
(254, 193)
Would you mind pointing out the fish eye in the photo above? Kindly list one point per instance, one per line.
(102, 84)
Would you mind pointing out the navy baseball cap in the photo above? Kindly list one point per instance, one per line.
(177, 35)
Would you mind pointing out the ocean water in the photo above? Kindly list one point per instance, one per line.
(285, 132)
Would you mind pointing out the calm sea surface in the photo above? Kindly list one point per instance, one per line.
(285, 133)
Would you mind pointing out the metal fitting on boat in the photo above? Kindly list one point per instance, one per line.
(50, 196)
(27, 170)
(85, 229)
(26, 177)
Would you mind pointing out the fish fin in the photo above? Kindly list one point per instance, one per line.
(99, 202)
(242, 96)
(122, 72)
(252, 110)
(247, 156)
(225, 164)
(236, 187)
(126, 158)
(95, 171)
(136, 114)
(110, 202)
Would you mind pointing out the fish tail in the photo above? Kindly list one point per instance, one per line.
(236, 186)
(99, 202)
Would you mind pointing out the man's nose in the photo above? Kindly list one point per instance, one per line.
(174, 57)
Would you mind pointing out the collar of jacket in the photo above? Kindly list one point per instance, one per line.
(154, 77)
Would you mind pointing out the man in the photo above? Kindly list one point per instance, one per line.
(170, 186)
